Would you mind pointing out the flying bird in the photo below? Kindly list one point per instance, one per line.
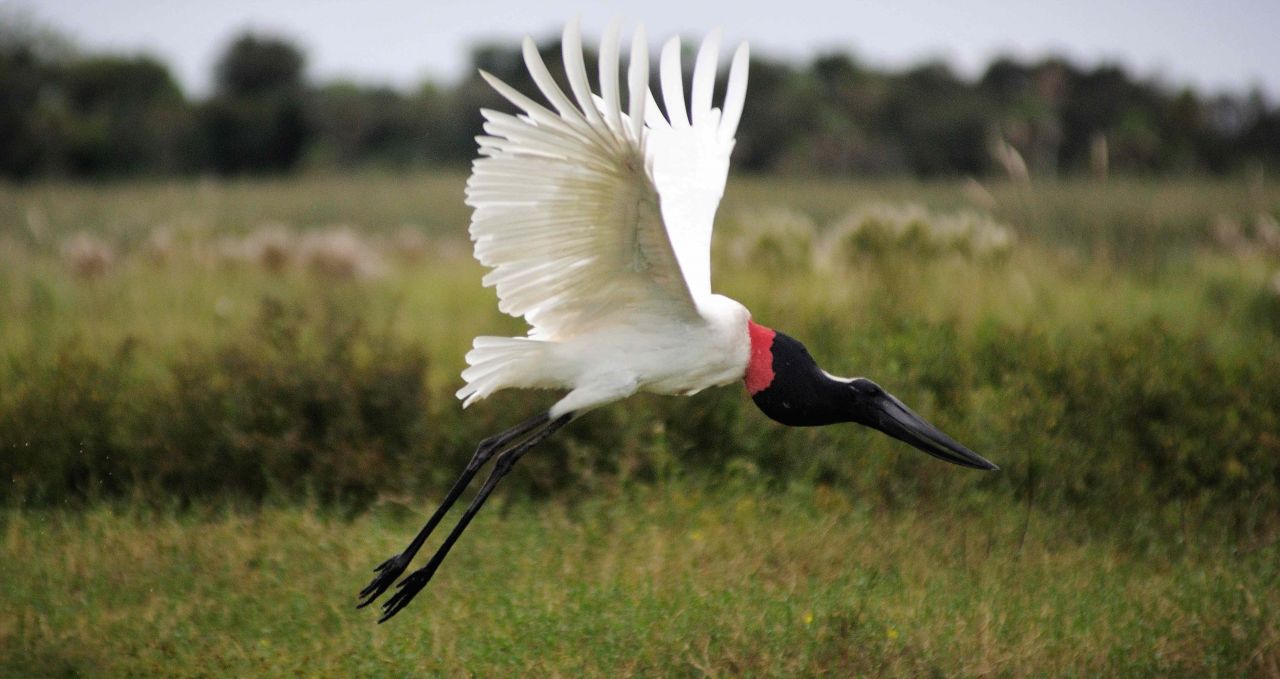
(594, 217)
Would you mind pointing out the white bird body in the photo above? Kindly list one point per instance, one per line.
(596, 225)
(640, 351)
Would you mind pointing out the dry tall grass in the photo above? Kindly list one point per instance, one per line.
(88, 256)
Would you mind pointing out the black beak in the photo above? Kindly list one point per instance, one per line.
(878, 409)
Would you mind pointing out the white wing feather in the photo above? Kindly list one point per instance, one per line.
(690, 162)
(582, 212)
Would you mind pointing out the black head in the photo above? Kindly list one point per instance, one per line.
(787, 384)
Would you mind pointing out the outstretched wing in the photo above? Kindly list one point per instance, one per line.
(568, 209)
(690, 148)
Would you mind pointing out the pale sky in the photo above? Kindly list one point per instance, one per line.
(1214, 46)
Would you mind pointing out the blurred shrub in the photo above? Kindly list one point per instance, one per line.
(300, 404)
(775, 238)
(88, 256)
(1106, 419)
(1261, 234)
(64, 428)
(1140, 418)
(339, 252)
(271, 245)
(881, 229)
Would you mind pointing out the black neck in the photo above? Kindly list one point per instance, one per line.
(801, 394)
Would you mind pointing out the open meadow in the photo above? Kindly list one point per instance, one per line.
(223, 402)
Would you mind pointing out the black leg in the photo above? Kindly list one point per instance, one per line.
(389, 570)
(410, 586)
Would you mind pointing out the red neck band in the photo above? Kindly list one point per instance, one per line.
(760, 368)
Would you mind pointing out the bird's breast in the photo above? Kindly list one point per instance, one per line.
(695, 356)
(660, 353)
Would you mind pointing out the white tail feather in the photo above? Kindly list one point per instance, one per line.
(496, 363)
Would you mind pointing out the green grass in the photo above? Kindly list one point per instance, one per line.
(678, 580)
(173, 508)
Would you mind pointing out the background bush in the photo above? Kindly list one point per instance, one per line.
(1106, 419)
(297, 405)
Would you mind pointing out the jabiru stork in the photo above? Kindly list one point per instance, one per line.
(595, 222)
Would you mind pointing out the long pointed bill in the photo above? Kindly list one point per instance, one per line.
(886, 413)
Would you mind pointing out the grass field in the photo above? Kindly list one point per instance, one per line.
(222, 403)
(679, 580)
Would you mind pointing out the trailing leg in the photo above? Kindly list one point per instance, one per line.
(411, 585)
(389, 570)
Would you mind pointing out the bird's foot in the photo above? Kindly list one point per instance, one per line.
(387, 572)
(406, 591)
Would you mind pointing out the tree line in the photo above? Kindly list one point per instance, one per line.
(68, 113)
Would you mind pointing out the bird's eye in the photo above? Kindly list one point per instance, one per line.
(866, 388)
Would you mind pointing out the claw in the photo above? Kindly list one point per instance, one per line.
(387, 572)
(406, 591)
